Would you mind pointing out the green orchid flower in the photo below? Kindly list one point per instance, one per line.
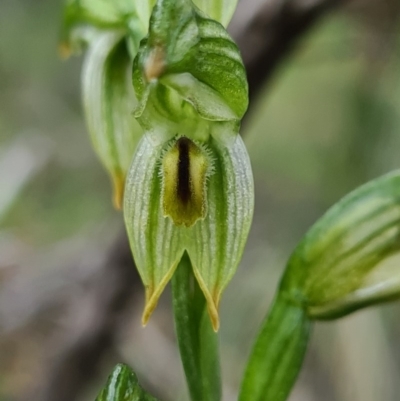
(190, 185)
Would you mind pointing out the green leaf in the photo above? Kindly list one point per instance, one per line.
(123, 385)
(351, 257)
(197, 341)
(220, 10)
(188, 59)
(108, 100)
(277, 354)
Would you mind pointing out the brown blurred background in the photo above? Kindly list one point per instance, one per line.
(324, 118)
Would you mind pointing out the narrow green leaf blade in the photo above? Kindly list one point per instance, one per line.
(277, 354)
(123, 385)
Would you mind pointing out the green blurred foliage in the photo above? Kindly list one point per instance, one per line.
(40, 95)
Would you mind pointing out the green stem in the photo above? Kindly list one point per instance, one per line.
(277, 354)
(198, 343)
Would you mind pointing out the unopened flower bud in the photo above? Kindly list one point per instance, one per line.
(351, 257)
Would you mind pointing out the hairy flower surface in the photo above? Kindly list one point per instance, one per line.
(183, 197)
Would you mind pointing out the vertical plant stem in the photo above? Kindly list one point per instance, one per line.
(198, 343)
(277, 354)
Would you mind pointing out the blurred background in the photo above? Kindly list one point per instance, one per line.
(324, 119)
